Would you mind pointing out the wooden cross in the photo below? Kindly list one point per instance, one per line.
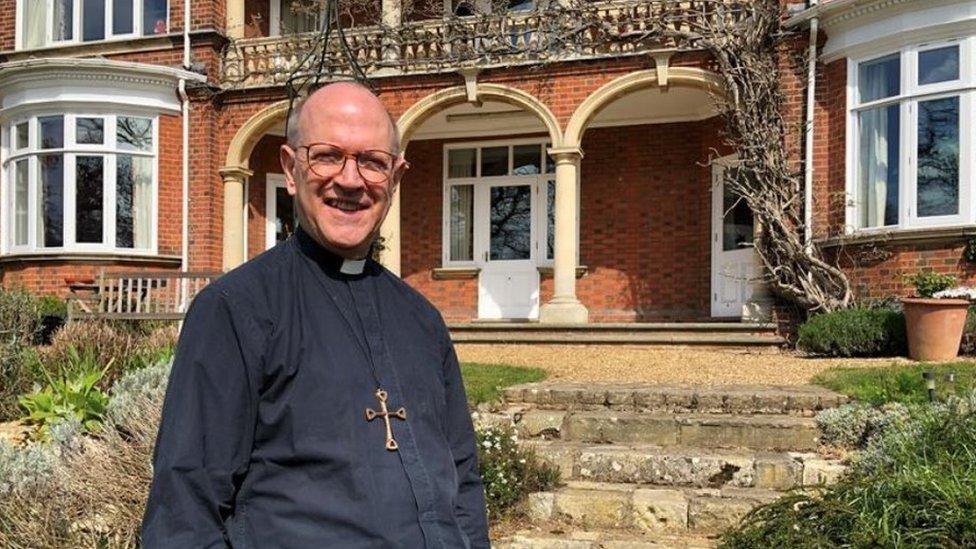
(401, 413)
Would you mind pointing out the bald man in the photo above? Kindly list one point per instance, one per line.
(315, 399)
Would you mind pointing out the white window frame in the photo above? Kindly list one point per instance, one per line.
(70, 151)
(481, 183)
(76, 26)
(911, 94)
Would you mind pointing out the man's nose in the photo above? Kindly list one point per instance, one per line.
(349, 177)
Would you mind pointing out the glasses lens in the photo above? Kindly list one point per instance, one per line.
(325, 160)
(375, 166)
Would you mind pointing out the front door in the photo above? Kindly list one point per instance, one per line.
(735, 266)
(509, 281)
(279, 211)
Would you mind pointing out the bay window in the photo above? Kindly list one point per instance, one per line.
(43, 23)
(911, 134)
(81, 182)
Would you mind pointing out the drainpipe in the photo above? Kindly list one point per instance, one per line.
(811, 103)
(184, 98)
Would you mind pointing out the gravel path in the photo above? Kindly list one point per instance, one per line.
(614, 363)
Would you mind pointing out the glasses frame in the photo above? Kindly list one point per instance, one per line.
(346, 155)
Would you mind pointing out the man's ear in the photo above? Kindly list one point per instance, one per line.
(289, 160)
(401, 168)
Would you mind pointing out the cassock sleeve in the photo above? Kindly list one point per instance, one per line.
(470, 507)
(204, 440)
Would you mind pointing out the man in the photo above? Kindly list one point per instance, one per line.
(315, 399)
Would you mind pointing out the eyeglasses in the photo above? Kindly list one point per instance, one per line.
(325, 160)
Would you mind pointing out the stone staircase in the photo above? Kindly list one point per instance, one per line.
(702, 334)
(647, 466)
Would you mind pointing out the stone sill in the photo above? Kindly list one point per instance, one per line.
(112, 46)
(70, 257)
(463, 273)
(897, 236)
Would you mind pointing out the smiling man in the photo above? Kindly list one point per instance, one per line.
(315, 399)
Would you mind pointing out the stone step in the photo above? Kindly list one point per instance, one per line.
(690, 467)
(724, 399)
(610, 327)
(697, 339)
(592, 505)
(601, 540)
(755, 432)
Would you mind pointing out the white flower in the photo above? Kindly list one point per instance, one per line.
(959, 292)
(486, 444)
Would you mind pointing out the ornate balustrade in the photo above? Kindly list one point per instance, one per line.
(589, 30)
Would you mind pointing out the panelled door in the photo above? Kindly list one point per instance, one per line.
(735, 266)
(509, 280)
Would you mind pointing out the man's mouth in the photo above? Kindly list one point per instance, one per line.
(344, 205)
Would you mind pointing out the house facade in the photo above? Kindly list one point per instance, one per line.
(581, 186)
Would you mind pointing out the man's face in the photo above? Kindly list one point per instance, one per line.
(341, 210)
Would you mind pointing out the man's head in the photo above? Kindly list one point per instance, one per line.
(341, 203)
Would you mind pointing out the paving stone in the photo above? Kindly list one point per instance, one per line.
(541, 423)
(594, 508)
(821, 471)
(621, 428)
(564, 456)
(658, 510)
(716, 510)
(778, 473)
(540, 505)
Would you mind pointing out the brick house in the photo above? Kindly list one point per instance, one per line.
(128, 143)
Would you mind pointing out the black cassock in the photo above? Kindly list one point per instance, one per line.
(264, 441)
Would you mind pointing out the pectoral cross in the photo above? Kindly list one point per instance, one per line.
(401, 413)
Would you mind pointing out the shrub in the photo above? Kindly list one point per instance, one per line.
(16, 378)
(72, 395)
(854, 332)
(928, 283)
(912, 487)
(510, 473)
(20, 316)
(853, 426)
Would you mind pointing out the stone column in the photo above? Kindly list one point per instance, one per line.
(392, 18)
(235, 19)
(390, 231)
(234, 177)
(565, 308)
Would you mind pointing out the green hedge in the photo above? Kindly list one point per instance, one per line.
(854, 332)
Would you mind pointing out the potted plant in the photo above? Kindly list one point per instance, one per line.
(936, 316)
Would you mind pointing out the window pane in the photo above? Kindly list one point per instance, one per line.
(50, 200)
(551, 220)
(154, 17)
(122, 16)
(133, 197)
(52, 132)
(879, 78)
(462, 222)
(939, 65)
(527, 160)
(88, 199)
(878, 160)
(284, 214)
(20, 203)
(62, 21)
(89, 131)
(298, 16)
(737, 223)
(21, 135)
(35, 17)
(494, 161)
(511, 223)
(461, 163)
(938, 157)
(134, 134)
(93, 20)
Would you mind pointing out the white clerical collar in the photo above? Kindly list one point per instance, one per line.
(352, 266)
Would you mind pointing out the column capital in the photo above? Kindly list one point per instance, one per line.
(235, 173)
(565, 154)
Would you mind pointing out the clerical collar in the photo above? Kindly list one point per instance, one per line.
(326, 258)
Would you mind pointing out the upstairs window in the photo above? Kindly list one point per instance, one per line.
(911, 133)
(44, 23)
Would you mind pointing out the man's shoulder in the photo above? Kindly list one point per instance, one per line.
(250, 282)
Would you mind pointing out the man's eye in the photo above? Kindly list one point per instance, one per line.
(375, 163)
(326, 157)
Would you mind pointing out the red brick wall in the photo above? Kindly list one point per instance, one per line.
(879, 271)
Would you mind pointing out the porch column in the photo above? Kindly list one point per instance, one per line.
(235, 19)
(565, 308)
(390, 231)
(392, 18)
(234, 177)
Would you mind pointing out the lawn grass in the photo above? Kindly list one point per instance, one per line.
(485, 382)
(898, 382)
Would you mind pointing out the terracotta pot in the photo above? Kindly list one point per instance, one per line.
(934, 327)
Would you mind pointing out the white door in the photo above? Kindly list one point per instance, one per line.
(279, 211)
(509, 280)
(735, 266)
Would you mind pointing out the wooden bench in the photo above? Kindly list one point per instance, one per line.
(139, 295)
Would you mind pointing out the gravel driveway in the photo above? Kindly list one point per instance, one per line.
(612, 363)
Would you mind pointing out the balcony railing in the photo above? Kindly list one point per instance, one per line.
(598, 29)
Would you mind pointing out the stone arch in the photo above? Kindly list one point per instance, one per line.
(241, 146)
(687, 77)
(415, 116)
